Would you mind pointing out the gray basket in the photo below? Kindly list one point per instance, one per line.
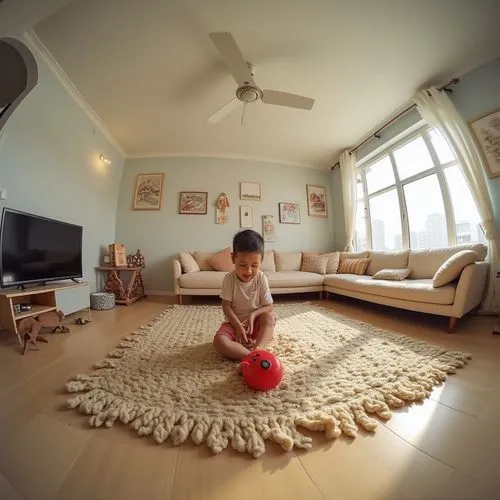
(102, 300)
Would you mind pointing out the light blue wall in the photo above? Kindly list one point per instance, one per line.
(477, 93)
(162, 234)
(49, 166)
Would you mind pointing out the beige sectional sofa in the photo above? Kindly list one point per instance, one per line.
(416, 292)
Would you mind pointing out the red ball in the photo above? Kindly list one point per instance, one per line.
(261, 370)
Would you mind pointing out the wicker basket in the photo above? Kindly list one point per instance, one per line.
(101, 301)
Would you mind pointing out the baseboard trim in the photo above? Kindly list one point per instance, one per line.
(160, 292)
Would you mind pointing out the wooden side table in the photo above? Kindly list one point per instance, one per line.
(124, 294)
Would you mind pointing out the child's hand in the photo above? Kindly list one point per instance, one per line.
(250, 324)
(242, 335)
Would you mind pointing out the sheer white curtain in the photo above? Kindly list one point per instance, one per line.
(348, 174)
(437, 110)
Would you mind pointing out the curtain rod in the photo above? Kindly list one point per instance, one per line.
(376, 134)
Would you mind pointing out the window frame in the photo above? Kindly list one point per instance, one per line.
(437, 169)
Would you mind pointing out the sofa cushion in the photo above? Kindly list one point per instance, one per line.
(202, 260)
(188, 264)
(202, 279)
(425, 263)
(353, 266)
(268, 261)
(221, 261)
(420, 290)
(292, 279)
(333, 262)
(392, 274)
(353, 255)
(387, 260)
(288, 261)
(452, 268)
(314, 263)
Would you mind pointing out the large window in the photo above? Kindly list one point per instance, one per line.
(414, 195)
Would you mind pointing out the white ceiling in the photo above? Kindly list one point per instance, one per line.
(18, 15)
(152, 74)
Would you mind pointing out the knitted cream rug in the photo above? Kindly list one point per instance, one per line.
(166, 380)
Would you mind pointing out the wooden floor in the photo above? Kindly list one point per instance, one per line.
(445, 448)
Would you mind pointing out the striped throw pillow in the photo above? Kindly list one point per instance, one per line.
(353, 266)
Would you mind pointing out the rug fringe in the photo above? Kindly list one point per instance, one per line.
(248, 435)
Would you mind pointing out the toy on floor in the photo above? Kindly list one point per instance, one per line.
(53, 320)
(81, 321)
(261, 370)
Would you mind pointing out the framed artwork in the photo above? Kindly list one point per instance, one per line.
(486, 129)
(193, 202)
(246, 219)
(289, 213)
(268, 228)
(221, 210)
(316, 201)
(148, 192)
(250, 191)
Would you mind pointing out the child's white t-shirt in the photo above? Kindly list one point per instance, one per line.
(247, 296)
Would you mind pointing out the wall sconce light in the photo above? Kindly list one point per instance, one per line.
(105, 159)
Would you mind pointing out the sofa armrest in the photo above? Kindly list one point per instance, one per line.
(470, 288)
(177, 274)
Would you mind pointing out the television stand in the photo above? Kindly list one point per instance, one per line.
(74, 280)
(21, 287)
(42, 299)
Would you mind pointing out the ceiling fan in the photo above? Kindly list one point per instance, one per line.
(248, 91)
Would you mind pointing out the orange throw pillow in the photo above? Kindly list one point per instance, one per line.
(221, 261)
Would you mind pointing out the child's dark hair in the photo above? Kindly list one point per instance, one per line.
(248, 241)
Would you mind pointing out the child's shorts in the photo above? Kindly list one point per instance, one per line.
(227, 330)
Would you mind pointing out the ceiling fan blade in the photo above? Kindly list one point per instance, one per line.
(286, 99)
(230, 52)
(222, 112)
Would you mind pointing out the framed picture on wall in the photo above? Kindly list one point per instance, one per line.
(268, 228)
(316, 201)
(289, 213)
(486, 129)
(148, 192)
(250, 191)
(246, 219)
(193, 202)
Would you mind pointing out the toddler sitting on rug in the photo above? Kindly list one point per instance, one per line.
(246, 300)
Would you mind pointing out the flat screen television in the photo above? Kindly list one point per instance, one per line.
(34, 249)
